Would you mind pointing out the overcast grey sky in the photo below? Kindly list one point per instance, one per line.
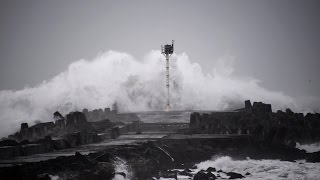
(276, 41)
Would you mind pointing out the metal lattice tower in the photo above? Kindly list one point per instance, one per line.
(167, 51)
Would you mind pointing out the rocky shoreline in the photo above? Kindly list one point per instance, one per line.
(154, 159)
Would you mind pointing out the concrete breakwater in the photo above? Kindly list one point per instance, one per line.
(260, 121)
(254, 131)
(70, 131)
(74, 130)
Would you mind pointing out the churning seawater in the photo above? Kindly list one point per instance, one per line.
(263, 169)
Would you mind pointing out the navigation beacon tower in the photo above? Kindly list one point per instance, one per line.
(167, 51)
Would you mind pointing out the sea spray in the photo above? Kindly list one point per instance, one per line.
(136, 85)
(122, 169)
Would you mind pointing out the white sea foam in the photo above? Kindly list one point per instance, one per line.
(310, 148)
(121, 166)
(265, 169)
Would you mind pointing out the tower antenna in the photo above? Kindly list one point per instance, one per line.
(167, 51)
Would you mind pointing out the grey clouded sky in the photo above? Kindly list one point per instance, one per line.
(276, 41)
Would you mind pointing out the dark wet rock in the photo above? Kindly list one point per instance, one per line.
(147, 159)
(220, 171)
(168, 174)
(314, 157)
(78, 155)
(185, 173)
(211, 176)
(279, 135)
(70, 166)
(44, 176)
(47, 138)
(211, 169)
(104, 157)
(208, 148)
(234, 175)
(96, 175)
(16, 172)
(292, 144)
(193, 167)
(201, 175)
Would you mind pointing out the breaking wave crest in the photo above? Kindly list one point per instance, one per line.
(310, 148)
(265, 169)
(136, 85)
